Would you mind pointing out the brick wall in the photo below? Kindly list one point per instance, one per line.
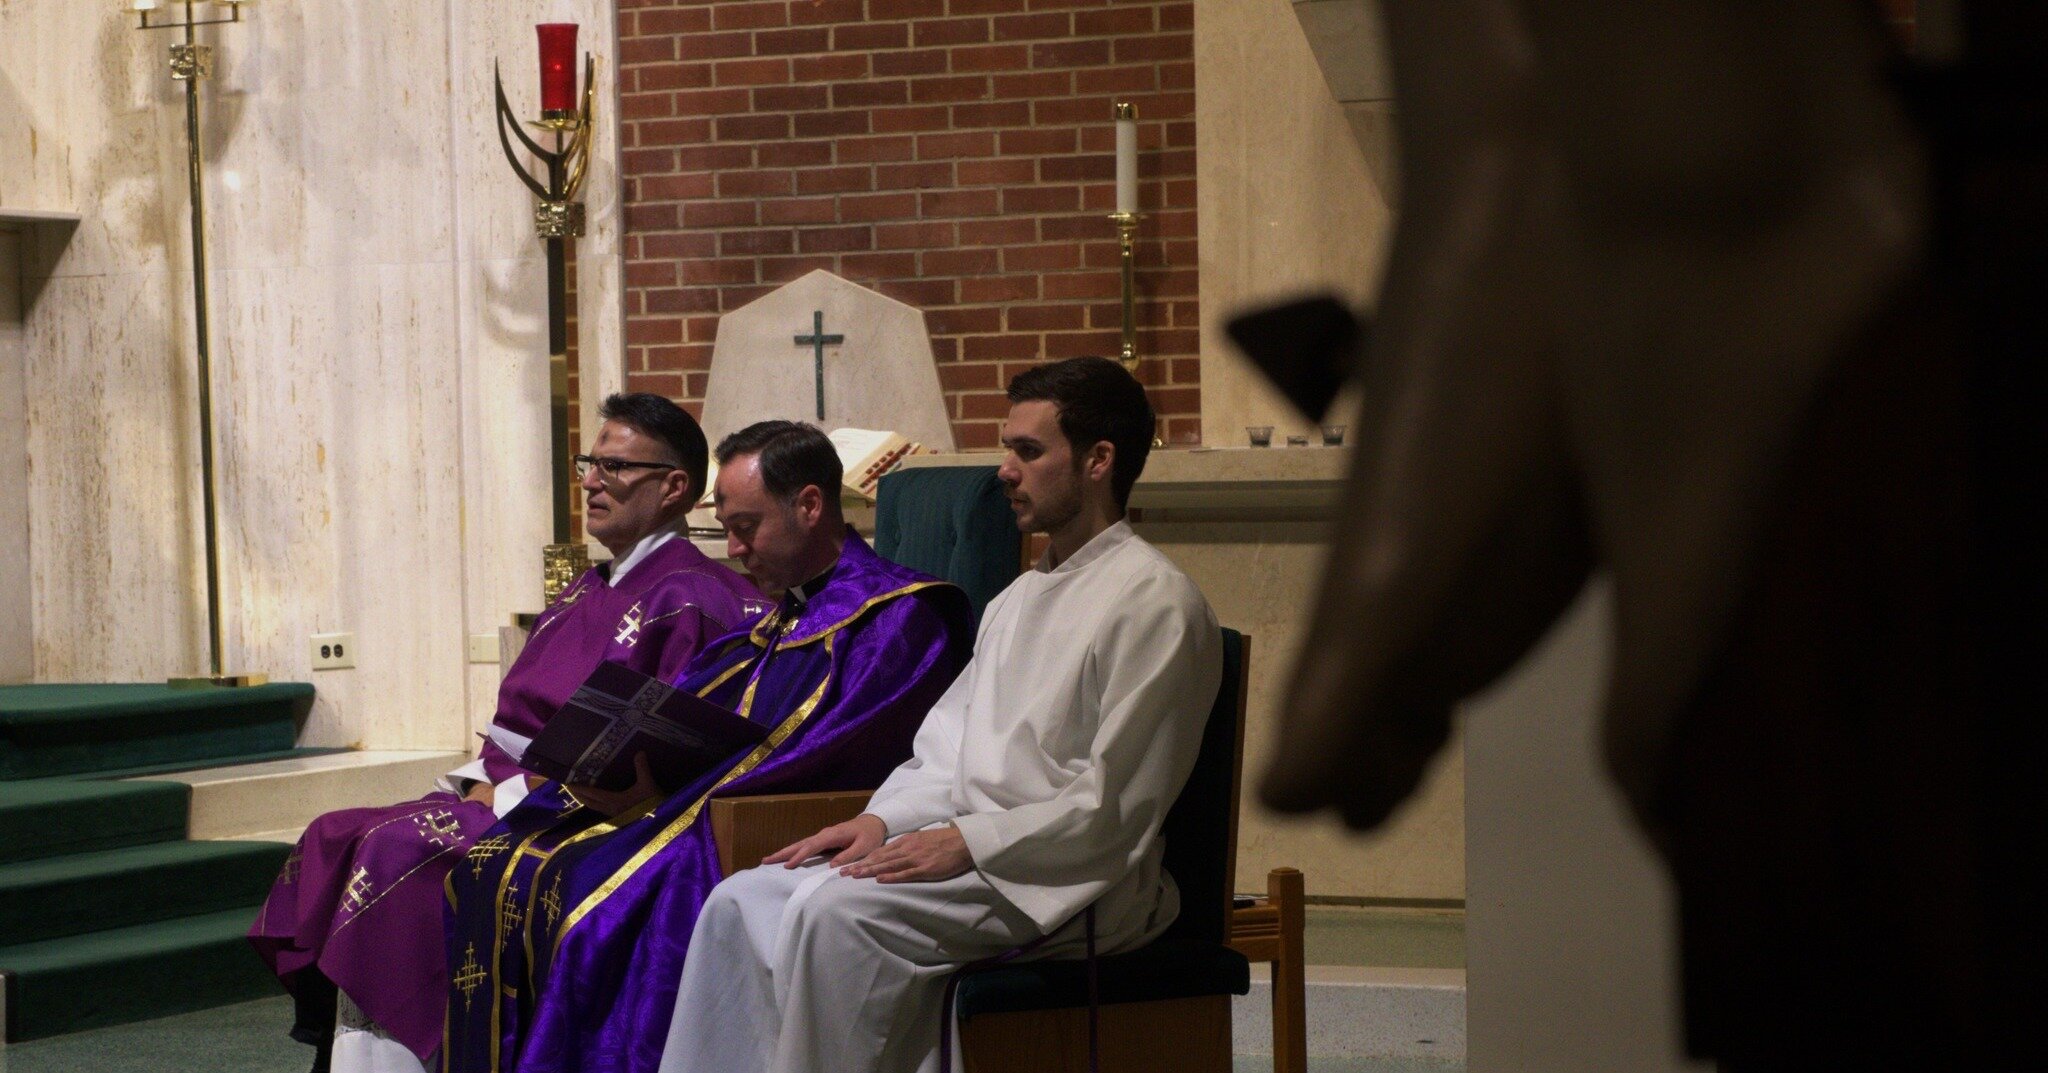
(952, 154)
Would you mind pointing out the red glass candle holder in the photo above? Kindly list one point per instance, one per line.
(557, 69)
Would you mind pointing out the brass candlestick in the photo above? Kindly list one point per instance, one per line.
(557, 218)
(192, 63)
(1126, 219)
(1126, 227)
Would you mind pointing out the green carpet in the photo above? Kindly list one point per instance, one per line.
(44, 818)
(86, 892)
(50, 730)
(128, 974)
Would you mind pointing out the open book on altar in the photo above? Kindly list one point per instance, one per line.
(865, 457)
(619, 712)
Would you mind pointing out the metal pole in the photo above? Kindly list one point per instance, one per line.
(205, 385)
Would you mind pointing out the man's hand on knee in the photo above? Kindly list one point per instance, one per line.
(921, 857)
(854, 839)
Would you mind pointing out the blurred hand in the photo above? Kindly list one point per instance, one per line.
(919, 857)
(854, 839)
(613, 802)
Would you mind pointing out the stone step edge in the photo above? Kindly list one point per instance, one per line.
(254, 801)
(1362, 1012)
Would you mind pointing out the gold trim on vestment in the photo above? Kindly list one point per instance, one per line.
(498, 946)
(849, 620)
(685, 821)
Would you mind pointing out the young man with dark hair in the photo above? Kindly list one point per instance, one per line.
(358, 903)
(575, 925)
(1034, 795)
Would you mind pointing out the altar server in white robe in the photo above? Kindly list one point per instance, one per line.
(1036, 790)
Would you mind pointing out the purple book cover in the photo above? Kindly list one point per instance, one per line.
(619, 712)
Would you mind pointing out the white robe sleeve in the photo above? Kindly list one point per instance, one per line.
(1158, 657)
(919, 792)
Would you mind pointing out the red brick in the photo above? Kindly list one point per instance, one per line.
(756, 72)
(687, 300)
(960, 376)
(929, 61)
(673, 131)
(1078, 344)
(958, 321)
(1177, 16)
(873, 266)
(795, 154)
(871, 207)
(649, 275)
(1169, 283)
(1184, 370)
(1114, 22)
(647, 161)
(793, 42)
(1171, 341)
(919, 117)
(712, 47)
(755, 182)
(1176, 224)
(1033, 143)
(1154, 49)
(647, 106)
(1175, 400)
(945, 349)
(693, 387)
(966, 262)
(671, 188)
(718, 214)
(1051, 258)
(667, 385)
(712, 156)
(755, 242)
(809, 98)
(650, 330)
(952, 32)
(914, 176)
(939, 203)
(984, 7)
(1083, 284)
(999, 289)
(923, 293)
(780, 270)
(672, 21)
(1055, 169)
(887, 148)
(1176, 75)
(674, 245)
(996, 114)
(835, 180)
(833, 67)
(1118, 80)
(1049, 54)
(805, 210)
(987, 58)
(976, 435)
(1083, 227)
(906, 9)
(829, 124)
(637, 51)
(1034, 84)
(900, 236)
(870, 94)
(870, 36)
(811, 12)
(835, 239)
(719, 270)
(998, 232)
(1024, 200)
(1000, 348)
(952, 88)
(699, 102)
(731, 15)
(1076, 110)
(1044, 318)
(984, 405)
(1024, 27)
(954, 146)
(651, 218)
(753, 128)
(994, 172)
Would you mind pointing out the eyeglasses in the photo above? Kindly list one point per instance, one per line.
(612, 470)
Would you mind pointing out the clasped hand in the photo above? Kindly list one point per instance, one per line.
(866, 851)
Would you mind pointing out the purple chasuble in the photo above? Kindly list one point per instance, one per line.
(361, 894)
(569, 928)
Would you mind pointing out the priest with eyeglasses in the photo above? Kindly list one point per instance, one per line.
(353, 924)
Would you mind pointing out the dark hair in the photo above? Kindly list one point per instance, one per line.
(656, 417)
(1098, 400)
(793, 455)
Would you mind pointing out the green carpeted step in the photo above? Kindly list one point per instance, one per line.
(43, 818)
(83, 892)
(50, 730)
(132, 974)
(236, 760)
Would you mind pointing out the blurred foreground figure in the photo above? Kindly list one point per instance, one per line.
(1723, 300)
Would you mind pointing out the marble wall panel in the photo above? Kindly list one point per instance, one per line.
(1287, 201)
(17, 611)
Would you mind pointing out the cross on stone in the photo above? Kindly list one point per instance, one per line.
(818, 341)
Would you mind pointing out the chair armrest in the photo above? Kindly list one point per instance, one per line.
(747, 829)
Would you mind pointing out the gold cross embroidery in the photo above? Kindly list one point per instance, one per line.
(438, 826)
(290, 872)
(510, 917)
(481, 853)
(469, 976)
(359, 888)
(552, 902)
(629, 626)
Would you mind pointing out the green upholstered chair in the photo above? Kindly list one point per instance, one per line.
(952, 522)
(1163, 1008)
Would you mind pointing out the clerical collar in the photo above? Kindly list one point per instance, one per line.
(637, 553)
(803, 593)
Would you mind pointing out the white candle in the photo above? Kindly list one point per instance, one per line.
(142, 5)
(1126, 158)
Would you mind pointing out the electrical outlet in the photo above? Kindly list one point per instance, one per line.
(334, 651)
(483, 648)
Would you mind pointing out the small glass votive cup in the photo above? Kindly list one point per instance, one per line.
(1333, 435)
(1261, 435)
(1297, 441)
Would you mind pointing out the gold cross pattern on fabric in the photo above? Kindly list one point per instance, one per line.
(481, 853)
(469, 976)
(552, 902)
(438, 826)
(629, 626)
(511, 917)
(359, 888)
(289, 873)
